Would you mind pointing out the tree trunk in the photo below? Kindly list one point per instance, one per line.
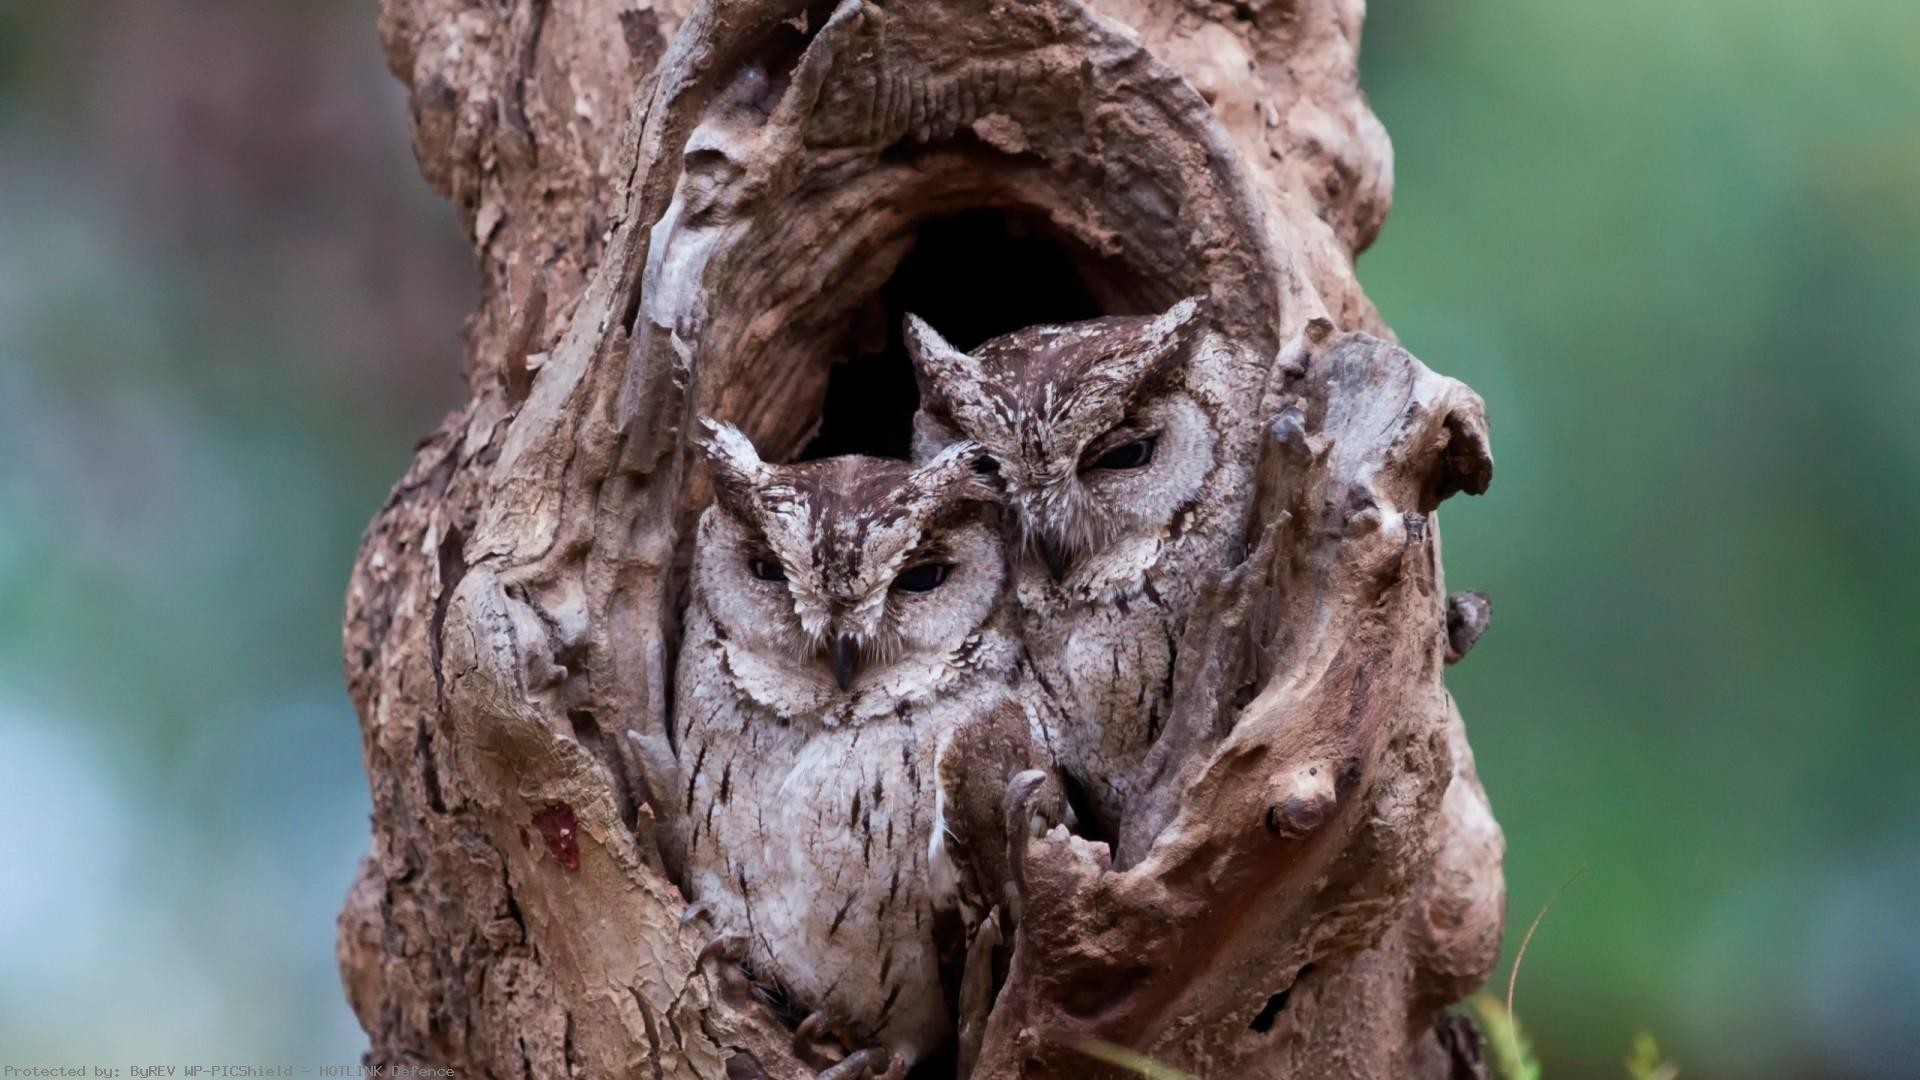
(683, 210)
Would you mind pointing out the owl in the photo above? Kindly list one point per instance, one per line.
(850, 622)
(1128, 476)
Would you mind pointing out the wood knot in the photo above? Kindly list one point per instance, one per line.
(1289, 430)
(1297, 817)
(561, 831)
(1467, 463)
(1306, 805)
(1468, 614)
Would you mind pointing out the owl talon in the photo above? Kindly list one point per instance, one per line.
(1034, 806)
(869, 1064)
(822, 1039)
(731, 948)
(814, 1026)
(1035, 803)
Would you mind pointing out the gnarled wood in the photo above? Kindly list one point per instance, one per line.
(684, 210)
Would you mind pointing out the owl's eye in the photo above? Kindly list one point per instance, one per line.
(767, 570)
(923, 578)
(1131, 455)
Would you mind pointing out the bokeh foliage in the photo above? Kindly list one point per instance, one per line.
(228, 307)
(1677, 247)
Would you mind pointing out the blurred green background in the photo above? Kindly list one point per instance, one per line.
(1677, 248)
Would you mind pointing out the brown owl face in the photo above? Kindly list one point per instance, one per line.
(1100, 447)
(829, 580)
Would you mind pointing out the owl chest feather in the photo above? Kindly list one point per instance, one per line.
(1105, 642)
(811, 841)
(1107, 670)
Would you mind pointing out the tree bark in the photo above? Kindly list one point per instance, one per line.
(685, 209)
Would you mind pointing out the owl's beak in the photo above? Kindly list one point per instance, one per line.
(845, 651)
(1059, 561)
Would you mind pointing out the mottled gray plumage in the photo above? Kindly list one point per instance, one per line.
(827, 682)
(1128, 476)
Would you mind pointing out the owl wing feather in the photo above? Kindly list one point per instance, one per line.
(970, 875)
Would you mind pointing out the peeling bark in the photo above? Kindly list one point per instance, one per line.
(685, 210)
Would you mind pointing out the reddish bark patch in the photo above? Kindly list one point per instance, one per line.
(556, 824)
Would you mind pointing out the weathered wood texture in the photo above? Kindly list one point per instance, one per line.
(681, 209)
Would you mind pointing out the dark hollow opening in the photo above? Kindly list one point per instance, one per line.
(1277, 1003)
(1088, 824)
(973, 276)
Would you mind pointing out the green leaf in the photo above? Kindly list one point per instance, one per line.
(1131, 1060)
(1507, 1050)
(1644, 1061)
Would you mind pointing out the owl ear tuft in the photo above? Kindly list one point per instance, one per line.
(1141, 358)
(738, 473)
(1167, 343)
(1182, 321)
(944, 373)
